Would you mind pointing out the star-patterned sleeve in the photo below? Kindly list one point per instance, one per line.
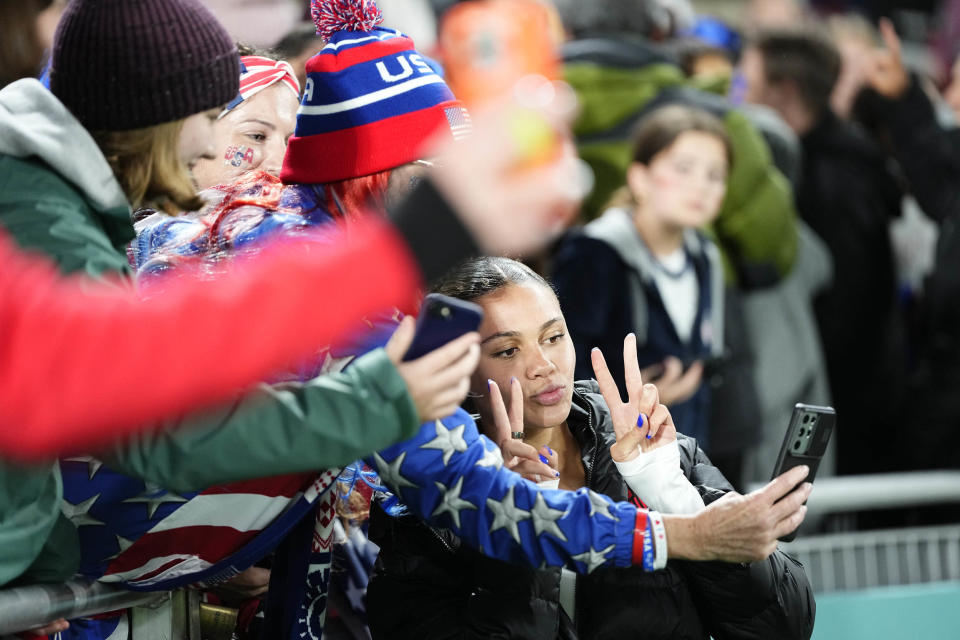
(452, 476)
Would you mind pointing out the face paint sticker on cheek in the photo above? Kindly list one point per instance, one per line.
(239, 156)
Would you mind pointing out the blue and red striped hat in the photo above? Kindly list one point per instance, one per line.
(370, 100)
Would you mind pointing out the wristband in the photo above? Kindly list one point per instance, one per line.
(659, 540)
(639, 536)
(643, 541)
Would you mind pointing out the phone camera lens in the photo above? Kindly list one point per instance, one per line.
(803, 431)
(796, 445)
(806, 419)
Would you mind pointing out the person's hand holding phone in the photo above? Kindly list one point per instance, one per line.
(439, 381)
(641, 423)
(742, 528)
(518, 456)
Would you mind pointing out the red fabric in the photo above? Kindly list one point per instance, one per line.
(333, 62)
(83, 363)
(364, 149)
(639, 532)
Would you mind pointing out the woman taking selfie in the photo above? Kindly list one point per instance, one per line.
(428, 586)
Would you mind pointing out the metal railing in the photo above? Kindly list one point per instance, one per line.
(29, 607)
(851, 560)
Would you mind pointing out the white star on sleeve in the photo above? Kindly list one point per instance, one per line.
(593, 558)
(545, 518)
(77, 513)
(447, 440)
(600, 505)
(452, 503)
(507, 514)
(390, 472)
(490, 458)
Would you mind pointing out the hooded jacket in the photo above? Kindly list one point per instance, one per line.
(604, 280)
(427, 585)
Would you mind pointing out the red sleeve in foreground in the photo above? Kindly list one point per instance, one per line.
(82, 363)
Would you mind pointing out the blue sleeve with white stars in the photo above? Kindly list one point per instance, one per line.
(452, 476)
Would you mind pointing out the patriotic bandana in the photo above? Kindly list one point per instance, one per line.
(258, 73)
(370, 100)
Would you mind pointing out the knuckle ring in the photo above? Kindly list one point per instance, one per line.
(516, 435)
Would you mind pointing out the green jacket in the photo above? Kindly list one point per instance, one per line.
(617, 80)
(58, 196)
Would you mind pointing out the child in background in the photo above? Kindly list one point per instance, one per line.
(647, 268)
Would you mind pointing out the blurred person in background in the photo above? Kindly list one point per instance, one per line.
(427, 585)
(620, 73)
(646, 268)
(299, 45)
(929, 155)
(848, 197)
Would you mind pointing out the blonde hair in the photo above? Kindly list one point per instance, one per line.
(147, 165)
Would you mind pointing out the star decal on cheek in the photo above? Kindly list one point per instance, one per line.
(448, 441)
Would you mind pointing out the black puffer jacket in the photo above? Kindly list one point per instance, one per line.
(427, 586)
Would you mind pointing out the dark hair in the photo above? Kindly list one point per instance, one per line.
(21, 52)
(584, 18)
(660, 129)
(298, 39)
(479, 276)
(245, 49)
(808, 59)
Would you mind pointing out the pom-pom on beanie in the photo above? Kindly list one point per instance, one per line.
(370, 100)
(127, 64)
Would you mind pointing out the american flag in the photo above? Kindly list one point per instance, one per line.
(143, 537)
(460, 124)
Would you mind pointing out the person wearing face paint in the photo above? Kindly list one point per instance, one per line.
(647, 268)
(427, 584)
(251, 132)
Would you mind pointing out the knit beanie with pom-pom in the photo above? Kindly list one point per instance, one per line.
(370, 101)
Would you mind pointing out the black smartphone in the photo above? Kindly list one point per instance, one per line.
(805, 442)
(441, 320)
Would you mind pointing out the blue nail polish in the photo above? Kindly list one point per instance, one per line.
(648, 436)
(543, 459)
(557, 475)
(640, 421)
(549, 449)
(489, 383)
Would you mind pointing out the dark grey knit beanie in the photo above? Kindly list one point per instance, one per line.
(126, 64)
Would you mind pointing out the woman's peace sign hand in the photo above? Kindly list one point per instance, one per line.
(517, 455)
(640, 422)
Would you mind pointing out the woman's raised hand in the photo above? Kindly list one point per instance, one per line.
(439, 381)
(517, 455)
(641, 422)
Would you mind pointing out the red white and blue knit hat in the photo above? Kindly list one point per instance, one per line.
(370, 100)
